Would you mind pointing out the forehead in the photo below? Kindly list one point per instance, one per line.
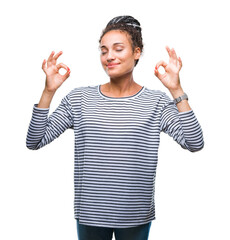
(115, 36)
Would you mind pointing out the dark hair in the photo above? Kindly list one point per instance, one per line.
(126, 24)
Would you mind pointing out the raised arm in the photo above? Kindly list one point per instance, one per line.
(178, 120)
(43, 129)
(53, 79)
(171, 79)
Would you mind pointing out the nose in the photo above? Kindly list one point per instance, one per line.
(110, 56)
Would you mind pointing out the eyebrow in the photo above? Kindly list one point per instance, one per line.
(103, 46)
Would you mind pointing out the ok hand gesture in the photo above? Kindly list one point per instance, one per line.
(53, 78)
(170, 78)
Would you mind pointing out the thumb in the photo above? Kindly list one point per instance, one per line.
(44, 65)
(157, 73)
(66, 75)
(160, 64)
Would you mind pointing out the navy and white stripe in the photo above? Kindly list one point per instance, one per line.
(116, 150)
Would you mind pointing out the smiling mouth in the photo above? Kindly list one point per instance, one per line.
(112, 65)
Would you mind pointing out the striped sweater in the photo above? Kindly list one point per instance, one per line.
(116, 149)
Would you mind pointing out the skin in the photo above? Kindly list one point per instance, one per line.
(116, 48)
(171, 79)
(53, 78)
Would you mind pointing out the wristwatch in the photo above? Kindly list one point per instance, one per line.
(179, 99)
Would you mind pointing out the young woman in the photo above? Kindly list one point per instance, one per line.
(117, 129)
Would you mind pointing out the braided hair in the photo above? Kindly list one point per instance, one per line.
(126, 24)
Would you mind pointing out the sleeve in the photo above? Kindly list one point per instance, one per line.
(43, 129)
(183, 127)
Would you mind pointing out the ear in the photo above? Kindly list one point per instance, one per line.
(137, 53)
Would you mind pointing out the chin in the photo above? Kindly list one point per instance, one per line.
(117, 74)
(112, 73)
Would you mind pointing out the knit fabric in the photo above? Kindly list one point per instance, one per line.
(116, 150)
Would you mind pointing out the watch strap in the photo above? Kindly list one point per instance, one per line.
(179, 99)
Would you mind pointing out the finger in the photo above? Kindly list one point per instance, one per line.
(44, 65)
(62, 65)
(50, 57)
(161, 63)
(173, 54)
(66, 75)
(57, 55)
(169, 51)
(180, 62)
(157, 74)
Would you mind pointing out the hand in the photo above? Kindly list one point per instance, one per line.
(170, 78)
(53, 78)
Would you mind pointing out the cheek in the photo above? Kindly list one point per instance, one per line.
(103, 61)
(127, 56)
(129, 60)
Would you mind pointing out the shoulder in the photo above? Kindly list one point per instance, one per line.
(158, 95)
(78, 91)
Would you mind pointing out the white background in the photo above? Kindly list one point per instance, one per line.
(36, 187)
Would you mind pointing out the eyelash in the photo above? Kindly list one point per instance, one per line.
(118, 50)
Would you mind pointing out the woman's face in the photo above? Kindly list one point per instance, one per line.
(117, 55)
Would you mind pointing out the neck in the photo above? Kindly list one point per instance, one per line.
(121, 86)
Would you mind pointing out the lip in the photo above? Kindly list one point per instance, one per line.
(111, 65)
